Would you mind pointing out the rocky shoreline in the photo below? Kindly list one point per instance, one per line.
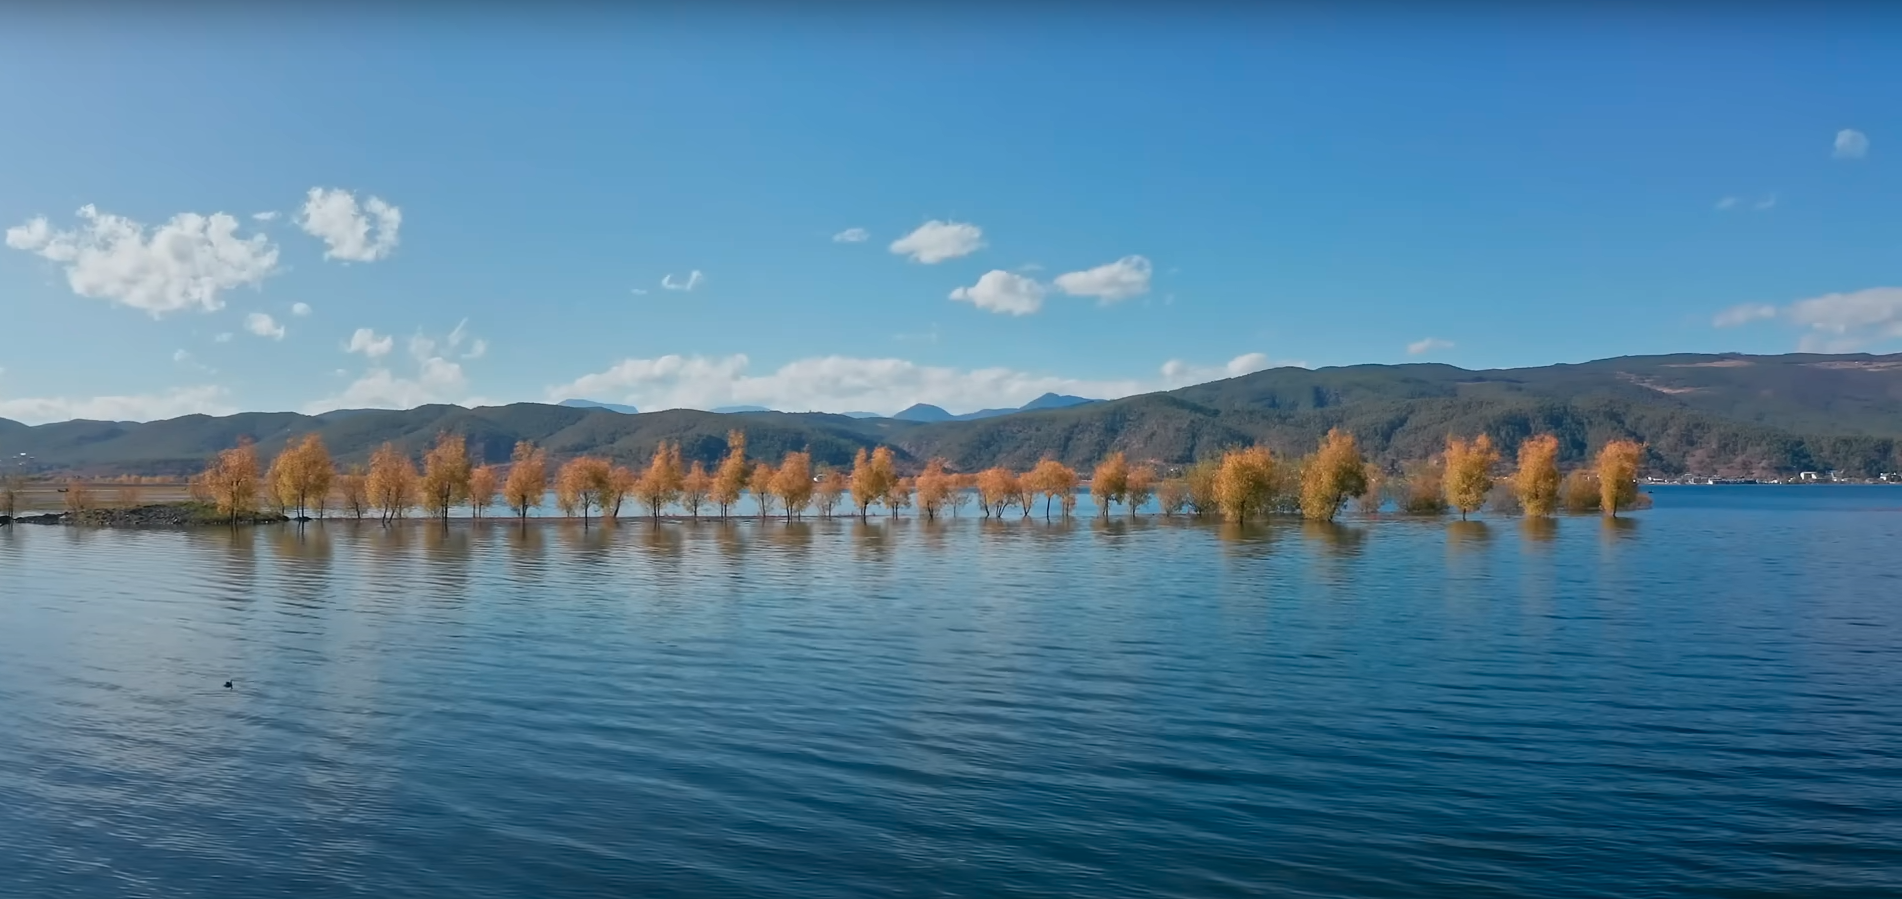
(163, 515)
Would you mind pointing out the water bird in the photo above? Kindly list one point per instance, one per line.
(227, 685)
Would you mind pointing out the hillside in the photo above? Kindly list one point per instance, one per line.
(1724, 415)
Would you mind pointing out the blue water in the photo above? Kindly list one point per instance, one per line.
(1702, 700)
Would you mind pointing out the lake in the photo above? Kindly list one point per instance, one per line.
(1702, 699)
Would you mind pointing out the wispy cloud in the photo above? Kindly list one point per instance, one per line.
(852, 235)
(838, 383)
(1428, 345)
(1743, 315)
(1126, 277)
(1834, 322)
(935, 241)
(690, 282)
(1851, 144)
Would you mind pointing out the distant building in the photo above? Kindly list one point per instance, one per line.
(1809, 476)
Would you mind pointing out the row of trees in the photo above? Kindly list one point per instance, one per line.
(1242, 484)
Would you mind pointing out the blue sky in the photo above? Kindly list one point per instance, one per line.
(1124, 200)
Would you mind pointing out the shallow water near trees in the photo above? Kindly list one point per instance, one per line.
(1702, 698)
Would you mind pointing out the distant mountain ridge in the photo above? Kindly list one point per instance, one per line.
(591, 404)
(925, 412)
(1723, 415)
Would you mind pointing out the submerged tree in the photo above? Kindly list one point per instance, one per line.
(1199, 482)
(527, 482)
(1469, 477)
(830, 491)
(1617, 467)
(446, 471)
(1335, 474)
(1109, 482)
(1172, 495)
(482, 487)
(231, 481)
(353, 492)
(662, 484)
(1138, 488)
(301, 475)
(582, 484)
(792, 483)
(874, 475)
(1054, 481)
(1579, 491)
(1424, 490)
(1245, 482)
(934, 487)
(762, 488)
(695, 486)
(996, 490)
(1536, 483)
(392, 482)
(729, 480)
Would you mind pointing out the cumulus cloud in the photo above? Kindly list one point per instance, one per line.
(263, 326)
(371, 345)
(333, 215)
(300, 309)
(1743, 315)
(1126, 277)
(838, 383)
(690, 282)
(205, 399)
(852, 235)
(1834, 322)
(936, 241)
(1002, 292)
(185, 263)
(1851, 144)
(1428, 345)
(434, 377)
(1847, 322)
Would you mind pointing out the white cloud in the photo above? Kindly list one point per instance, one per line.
(186, 263)
(477, 349)
(1126, 277)
(334, 216)
(1731, 204)
(222, 337)
(839, 383)
(300, 309)
(263, 326)
(693, 280)
(265, 216)
(936, 241)
(1176, 373)
(1835, 322)
(1428, 345)
(367, 342)
(180, 356)
(639, 292)
(1851, 144)
(1744, 314)
(1846, 322)
(852, 235)
(205, 399)
(435, 379)
(1002, 292)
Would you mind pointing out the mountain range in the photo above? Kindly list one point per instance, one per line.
(1726, 415)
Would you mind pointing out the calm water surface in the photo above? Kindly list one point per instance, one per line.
(1703, 701)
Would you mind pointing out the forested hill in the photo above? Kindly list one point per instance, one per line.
(1723, 415)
